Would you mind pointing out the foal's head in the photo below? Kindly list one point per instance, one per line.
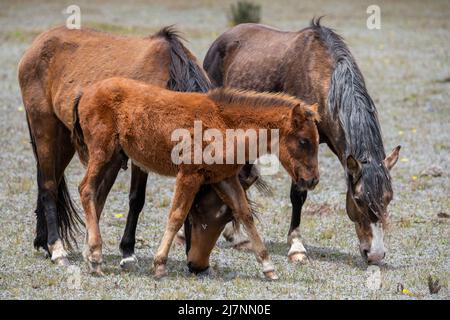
(299, 145)
(207, 219)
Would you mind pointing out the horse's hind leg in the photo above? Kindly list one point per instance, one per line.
(136, 203)
(48, 134)
(40, 240)
(297, 252)
(232, 194)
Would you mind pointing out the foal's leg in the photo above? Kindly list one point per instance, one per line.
(238, 239)
(297, 252)
(232, 193)
(136, 203)
(94, 188)
(186, 187)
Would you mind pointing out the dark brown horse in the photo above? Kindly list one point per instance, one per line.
(59, 64)
(120, 118)
(315, 64)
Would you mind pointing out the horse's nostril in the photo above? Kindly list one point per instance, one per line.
(365, 253)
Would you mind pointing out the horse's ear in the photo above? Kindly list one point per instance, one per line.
(391, 159)
(354, 168)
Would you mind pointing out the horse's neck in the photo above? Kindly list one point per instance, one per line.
(332, 134)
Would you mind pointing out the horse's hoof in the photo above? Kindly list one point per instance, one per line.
(129, 263)
(62, 261)
(243, 246)
(271, 275)
(95, 268)
(298, 257)
(160, 271)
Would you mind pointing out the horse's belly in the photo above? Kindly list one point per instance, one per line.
(150, 158)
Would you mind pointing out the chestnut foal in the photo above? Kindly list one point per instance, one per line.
(120, 118)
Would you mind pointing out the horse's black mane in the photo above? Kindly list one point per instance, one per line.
(185, 73)
(349, 101)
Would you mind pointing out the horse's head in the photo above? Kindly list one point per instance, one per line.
(207, 219)
(299, 146)
(368, 196)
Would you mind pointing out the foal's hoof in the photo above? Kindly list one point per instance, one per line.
(61, 261)
(129, 263)
(160, 271)
(271, 275)
(298, 257)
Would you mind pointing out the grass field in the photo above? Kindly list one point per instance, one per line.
(407, 69)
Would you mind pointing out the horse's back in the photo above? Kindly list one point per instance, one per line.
(63, 62)
(249, 54)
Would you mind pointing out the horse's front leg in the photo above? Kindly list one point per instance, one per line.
(186, 187)
(232, 194)
(136, 203)
(297, 252)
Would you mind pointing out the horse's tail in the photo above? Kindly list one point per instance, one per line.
(67, 214)
(185, 73)
(77, 133)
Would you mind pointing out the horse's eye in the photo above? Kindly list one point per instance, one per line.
(302, 142)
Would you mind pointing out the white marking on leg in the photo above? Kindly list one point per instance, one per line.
(296, 247)
(295, 242)
(57, 250)
(129, 261)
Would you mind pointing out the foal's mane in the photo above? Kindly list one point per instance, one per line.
(227, 95)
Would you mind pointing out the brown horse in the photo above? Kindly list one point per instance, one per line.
(119, 118)
(52, 71)
(315, 64)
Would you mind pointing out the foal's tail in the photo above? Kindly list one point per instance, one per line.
(186, 75)
(77, 133)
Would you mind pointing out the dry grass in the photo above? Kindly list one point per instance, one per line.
(405, 65)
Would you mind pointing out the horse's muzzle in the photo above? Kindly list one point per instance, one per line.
(196, 270)
(310, 184)
(373, 258)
